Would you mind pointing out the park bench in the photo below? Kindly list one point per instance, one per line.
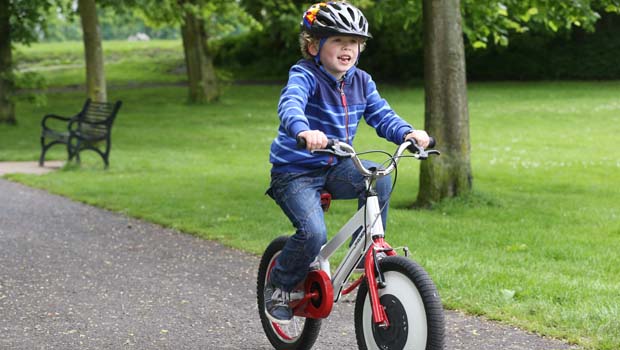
(90, 129)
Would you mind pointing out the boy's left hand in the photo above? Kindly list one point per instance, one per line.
(420, 137)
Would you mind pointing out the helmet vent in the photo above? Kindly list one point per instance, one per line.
(351, 13)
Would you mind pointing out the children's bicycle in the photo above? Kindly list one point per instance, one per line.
(397, 304)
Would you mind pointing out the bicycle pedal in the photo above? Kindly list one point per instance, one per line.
(297, 295)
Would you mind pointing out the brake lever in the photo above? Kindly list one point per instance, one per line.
(333, 148)
(424, 154)
(421, 153)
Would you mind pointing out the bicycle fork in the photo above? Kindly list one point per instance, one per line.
(375, 280)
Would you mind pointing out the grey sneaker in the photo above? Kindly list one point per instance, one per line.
(276, 304)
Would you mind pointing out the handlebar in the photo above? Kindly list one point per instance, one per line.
(344, 150)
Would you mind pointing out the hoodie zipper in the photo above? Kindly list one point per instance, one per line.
(343, 98)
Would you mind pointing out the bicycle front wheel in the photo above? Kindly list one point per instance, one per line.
(413, 307)
(302, 332)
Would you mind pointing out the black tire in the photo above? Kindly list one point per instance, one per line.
(413, 307)
(302, 332)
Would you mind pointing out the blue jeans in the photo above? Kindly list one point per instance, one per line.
(299, 197)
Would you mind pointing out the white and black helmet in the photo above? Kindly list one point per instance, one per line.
(334, 18)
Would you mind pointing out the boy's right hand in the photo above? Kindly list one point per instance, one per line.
(315, 139)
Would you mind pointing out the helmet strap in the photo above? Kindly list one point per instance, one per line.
(317, 58)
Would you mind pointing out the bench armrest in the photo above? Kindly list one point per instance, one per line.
(74, 123)
(53, 117)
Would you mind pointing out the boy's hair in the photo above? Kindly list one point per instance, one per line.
(305, 39)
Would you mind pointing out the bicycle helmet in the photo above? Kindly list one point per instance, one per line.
(335, 18)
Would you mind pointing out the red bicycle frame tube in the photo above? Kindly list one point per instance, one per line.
(378, 313)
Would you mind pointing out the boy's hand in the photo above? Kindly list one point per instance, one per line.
(315, 139)
(420, 137)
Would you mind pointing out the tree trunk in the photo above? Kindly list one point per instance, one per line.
(93, 51)
(203, 85)
(7, 107)
(446, 116)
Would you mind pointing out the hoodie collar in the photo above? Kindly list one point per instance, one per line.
(347, 77)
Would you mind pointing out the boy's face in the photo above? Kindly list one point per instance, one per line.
(339, 53)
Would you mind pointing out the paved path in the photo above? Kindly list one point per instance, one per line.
(30, 167)
(76, 277)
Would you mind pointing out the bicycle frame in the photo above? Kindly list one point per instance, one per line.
(367, 220)
(313, 298)
(370, 213)
(369, 241)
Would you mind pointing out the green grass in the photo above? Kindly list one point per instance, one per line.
(62, 64)
(536, 245)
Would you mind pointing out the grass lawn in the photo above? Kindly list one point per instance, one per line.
(536, 245)
(62, 64)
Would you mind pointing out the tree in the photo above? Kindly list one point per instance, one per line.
(19, 21)
(93, 51)
(7, 107)
(446, 115)
(203, 86)
(192, 17)
(200, 21)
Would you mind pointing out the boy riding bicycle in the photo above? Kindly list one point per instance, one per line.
(325, 97)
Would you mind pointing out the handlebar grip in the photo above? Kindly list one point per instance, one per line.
(431, 142)
(301, 143)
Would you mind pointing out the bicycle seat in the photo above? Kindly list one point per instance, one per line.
(326, 200)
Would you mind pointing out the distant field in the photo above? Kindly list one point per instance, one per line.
(126, 62)
(536, 245)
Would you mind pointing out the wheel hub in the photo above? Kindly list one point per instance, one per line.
(395, 336)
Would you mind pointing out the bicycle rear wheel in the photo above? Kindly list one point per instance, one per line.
(413, 307)
(302, 332)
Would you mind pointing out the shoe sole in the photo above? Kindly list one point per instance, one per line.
(275, 320)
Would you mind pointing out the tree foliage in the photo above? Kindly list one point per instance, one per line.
(397, 29)
(28, 18)
(222, 18)
(489, 20)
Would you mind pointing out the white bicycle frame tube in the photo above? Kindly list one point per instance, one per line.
(369, 219)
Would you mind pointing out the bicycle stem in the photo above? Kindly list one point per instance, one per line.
(342, 149)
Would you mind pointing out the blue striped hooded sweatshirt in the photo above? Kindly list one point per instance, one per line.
(314, 100)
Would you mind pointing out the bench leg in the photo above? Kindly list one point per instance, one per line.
(43, 151)
(74, 151)
(106, 154)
